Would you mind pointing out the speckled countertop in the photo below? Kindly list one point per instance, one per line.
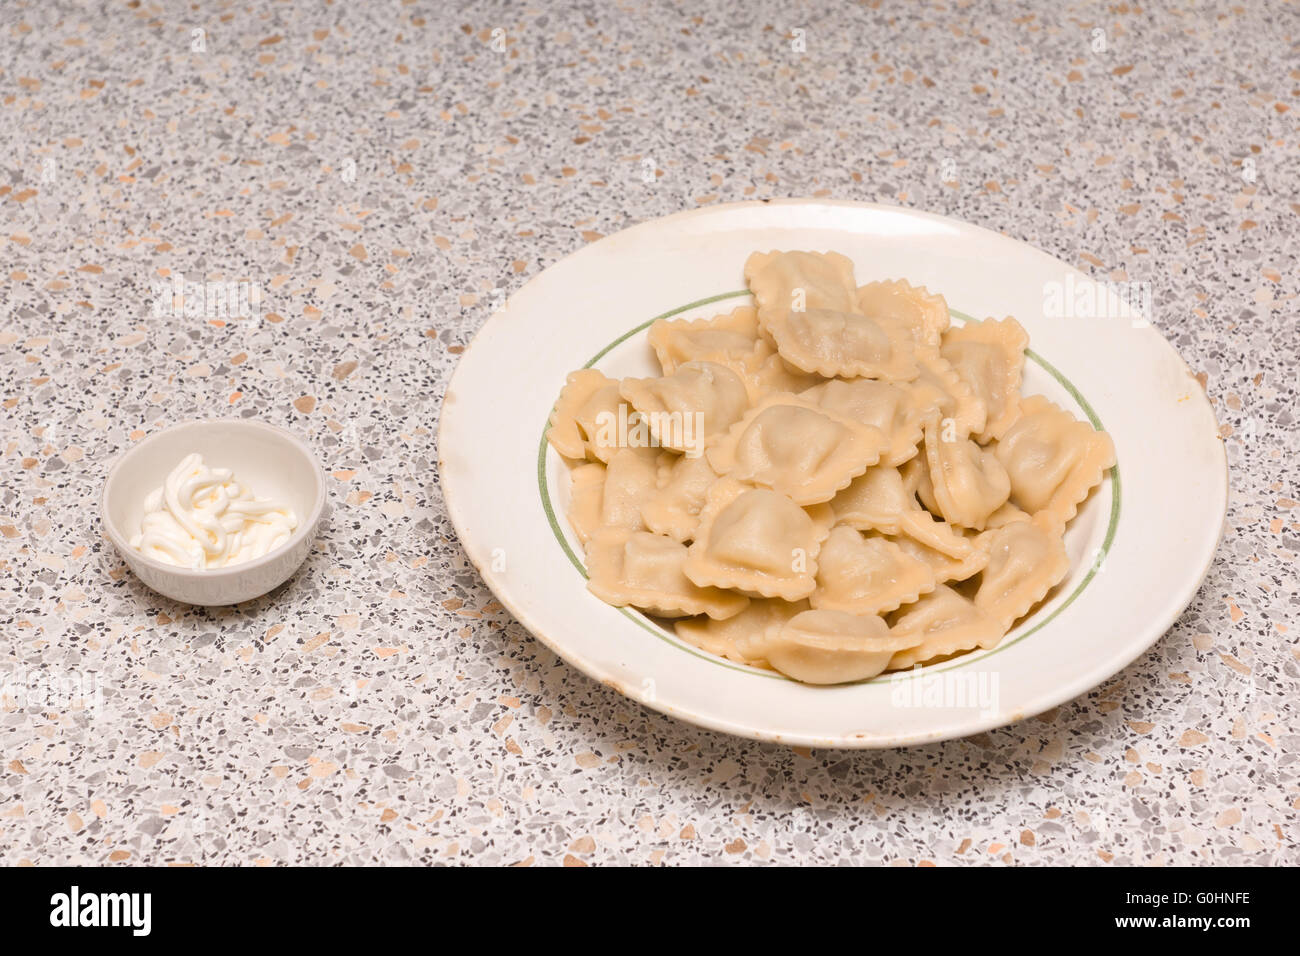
(384, 173)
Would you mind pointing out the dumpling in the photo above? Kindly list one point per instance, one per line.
(1026, 560)
(945, 623)
(867, 575)
(674, 509)
(968, 562)
(797, 448)
(631, 477)
(990, 357)
(1053, 460)
(586, 499)
(969, 482)
(765, 371)
(807, 303)
(723, 338)
(757, 541)
(923, 314)
(875, 500)
(584, 422)
(1005, 515)
(644, 570)
(833, 647)
(802, 281)
(915, 473)
(834, 480)
(834, 343)
(938, 388)
(739, 638)
(935, 533)
(883, 405)
(884, 499)
(688, 408)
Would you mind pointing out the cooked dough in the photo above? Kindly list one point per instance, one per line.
(925, 316)
(1026, 560)
(790, 445)
(832, 481)
(674, 509)
(645, 571)
(891, 409)
(757, 541)
(723, 338)
(808, 304)
(968, 481)
(867, 575)
(832, 647)
(1052, 459)
(944, 623)
(990, 356)
(739, 638)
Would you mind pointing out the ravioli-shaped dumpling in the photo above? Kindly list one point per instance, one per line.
(631, 477)
(834, 647)
(765, 371)
(722, 338)
(924, 315)
(757, 541)
(584, 423)
(644, 570)
(884, 499)
(786, 281)
(834, 343)
(586, 499)
(1026, 560)
(990, 357)
(807, 304)
(674, 509)
(945, 623)
(937, 534)
(915, 473)
(867, 575)
(946, 566)
(1006, 515)
(938, 389)
(1053, 459)
(685, 410)
(799, 449)
(969, 482)
(930, 527)
(882, 405)
(740, 638)
(875, 500)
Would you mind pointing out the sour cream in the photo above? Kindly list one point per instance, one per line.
(203, 518)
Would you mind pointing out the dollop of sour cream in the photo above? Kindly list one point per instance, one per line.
(203, 518)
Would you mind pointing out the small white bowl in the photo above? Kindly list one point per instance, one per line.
(271, 461)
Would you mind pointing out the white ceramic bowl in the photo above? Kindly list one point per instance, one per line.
(271, 461)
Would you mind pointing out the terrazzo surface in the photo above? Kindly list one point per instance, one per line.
(384, 173)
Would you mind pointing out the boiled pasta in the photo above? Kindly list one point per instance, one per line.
(833, 482)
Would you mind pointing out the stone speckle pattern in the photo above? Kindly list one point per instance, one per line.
(385, 173)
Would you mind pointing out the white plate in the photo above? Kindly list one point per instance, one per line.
(1139, 547)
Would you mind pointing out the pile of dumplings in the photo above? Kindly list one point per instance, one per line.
(833, 482)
